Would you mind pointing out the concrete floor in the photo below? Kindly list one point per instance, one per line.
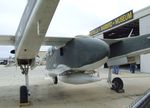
(46, 95)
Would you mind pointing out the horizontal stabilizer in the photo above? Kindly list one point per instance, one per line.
(48, 41)
(7, 40)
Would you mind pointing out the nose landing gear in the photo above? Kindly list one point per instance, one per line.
(24, 90)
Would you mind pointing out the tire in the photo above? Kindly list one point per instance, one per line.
(23, 94)
(55, 80)
(117, 84)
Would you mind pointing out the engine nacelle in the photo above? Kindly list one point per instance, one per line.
(79, 78)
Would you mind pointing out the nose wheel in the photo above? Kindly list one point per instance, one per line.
(23, 94)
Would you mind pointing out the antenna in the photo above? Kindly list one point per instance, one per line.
(130, 33)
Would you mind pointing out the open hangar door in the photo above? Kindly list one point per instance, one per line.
(123, 31)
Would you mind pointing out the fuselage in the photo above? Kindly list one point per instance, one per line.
(79, 54)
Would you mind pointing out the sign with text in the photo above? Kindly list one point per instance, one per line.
(121, 19)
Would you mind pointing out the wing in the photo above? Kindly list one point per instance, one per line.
(112, 41)
(129, 49)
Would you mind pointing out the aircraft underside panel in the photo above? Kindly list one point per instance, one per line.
(79, 78)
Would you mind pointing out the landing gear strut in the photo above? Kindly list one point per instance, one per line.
(116, 83)
(24, 90)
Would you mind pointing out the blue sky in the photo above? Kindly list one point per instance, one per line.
(72, 17)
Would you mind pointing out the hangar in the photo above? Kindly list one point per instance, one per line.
(130, 23)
